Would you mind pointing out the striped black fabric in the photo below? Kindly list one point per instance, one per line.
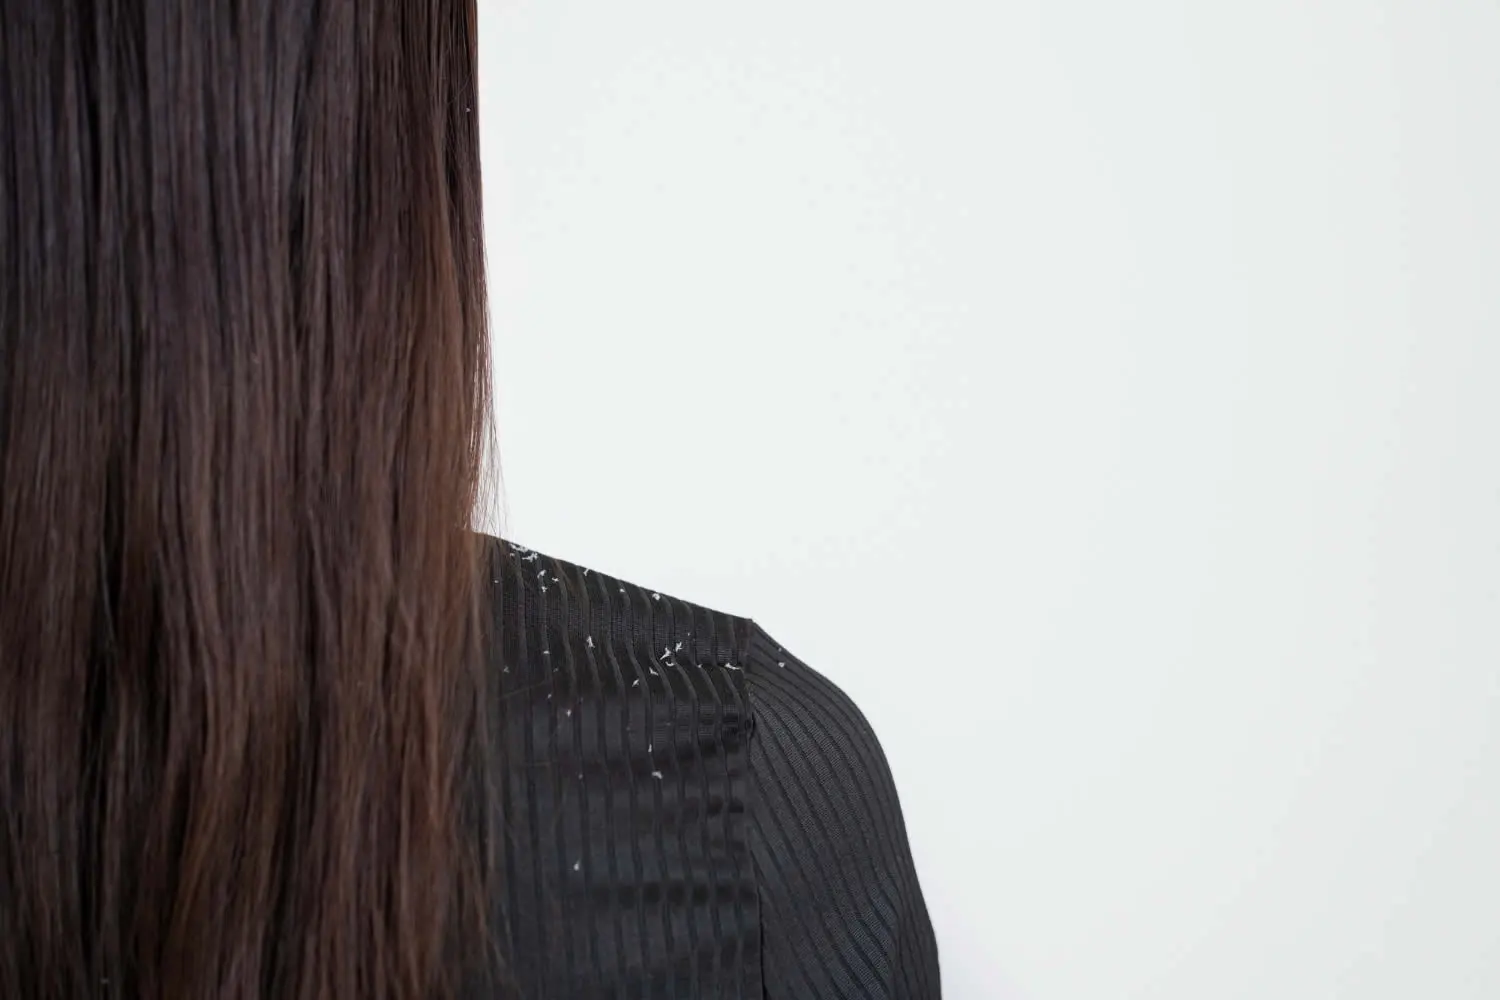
(684, 809)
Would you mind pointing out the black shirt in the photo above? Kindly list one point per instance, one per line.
(689, 811)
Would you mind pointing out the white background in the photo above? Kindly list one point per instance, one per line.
(1105, 394)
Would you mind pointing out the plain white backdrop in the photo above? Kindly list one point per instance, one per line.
(1106, 395)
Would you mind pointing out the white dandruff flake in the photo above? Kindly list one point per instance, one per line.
(655, 596)
(590, 640)
(782, 664)
(577, 865)
(568, 713)
(656, 775)
(636, 682)
(679, 647)
(731, 666)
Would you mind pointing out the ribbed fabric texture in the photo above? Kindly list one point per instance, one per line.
(684, 810)
(842, 914)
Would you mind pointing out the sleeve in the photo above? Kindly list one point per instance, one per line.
(842, 914)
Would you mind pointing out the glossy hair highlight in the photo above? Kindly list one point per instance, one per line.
(243, 397)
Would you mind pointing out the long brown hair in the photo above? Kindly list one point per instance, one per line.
(243, 388)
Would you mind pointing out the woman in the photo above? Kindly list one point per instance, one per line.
(273, 721)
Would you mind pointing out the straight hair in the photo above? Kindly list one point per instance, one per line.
(244, 386)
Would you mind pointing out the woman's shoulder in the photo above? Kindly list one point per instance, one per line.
(544, 597)
(541, 597)
(616, 678)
